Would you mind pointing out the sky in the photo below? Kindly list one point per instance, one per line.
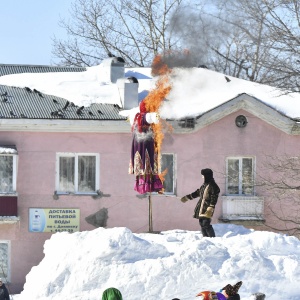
(27, 28)
(176, 263)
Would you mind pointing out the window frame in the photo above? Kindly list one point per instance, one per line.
(240, 186)
(76, 183)
(174, 173)
(14, 174)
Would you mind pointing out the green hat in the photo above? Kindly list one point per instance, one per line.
(112, 294)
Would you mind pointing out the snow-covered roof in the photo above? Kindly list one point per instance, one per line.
(81, 88)
(197, 90)
(194, 90)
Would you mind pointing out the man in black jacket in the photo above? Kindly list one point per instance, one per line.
(4, 295)
(208, 195)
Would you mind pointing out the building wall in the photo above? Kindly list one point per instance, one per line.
(205, 148)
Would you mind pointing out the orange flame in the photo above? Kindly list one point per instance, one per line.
(153, 102)
(158, 66)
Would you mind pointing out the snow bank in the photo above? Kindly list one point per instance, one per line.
(175, 263)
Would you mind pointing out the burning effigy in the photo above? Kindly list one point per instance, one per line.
(147, 140)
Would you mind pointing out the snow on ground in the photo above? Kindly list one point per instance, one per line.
(176, 263)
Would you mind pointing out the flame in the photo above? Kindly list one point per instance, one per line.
(153, 102)
(158, 66)
(163, 174)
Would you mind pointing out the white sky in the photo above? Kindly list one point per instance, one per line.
(193, 92)
(171, 264)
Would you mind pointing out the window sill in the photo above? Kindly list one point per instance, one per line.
(243, 220)
(141, 196)
(75, 194)
(95, 195)
(13, 194)
(164, 194)
(229, 218)
(9, 220)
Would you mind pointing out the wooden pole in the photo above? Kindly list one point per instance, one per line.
(150, 213)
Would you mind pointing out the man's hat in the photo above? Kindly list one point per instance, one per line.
(208, 172)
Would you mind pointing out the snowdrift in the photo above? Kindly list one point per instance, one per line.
(171, 264)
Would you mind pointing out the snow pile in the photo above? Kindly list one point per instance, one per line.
(171, 264)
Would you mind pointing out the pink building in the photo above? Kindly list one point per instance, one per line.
(65, 167)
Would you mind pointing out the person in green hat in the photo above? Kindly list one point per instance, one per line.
(112, 294)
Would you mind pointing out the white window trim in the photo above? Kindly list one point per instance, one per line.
(15, 161)
(73, 154)
(240, 170)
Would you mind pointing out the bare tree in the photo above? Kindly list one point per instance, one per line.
(281, 185)
(284, 27)
(264, 41)
(135, 30)
(256, 40)
(229, 36)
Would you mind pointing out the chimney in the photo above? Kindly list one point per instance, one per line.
(113, 68)
(128, 89)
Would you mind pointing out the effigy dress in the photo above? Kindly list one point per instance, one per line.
(144, 159)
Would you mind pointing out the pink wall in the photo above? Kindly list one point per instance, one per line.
(207, 147)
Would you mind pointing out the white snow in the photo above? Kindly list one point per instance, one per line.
(81, 88)
(7, 150)
(194, 90)
(176, 263)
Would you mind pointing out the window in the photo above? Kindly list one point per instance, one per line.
(187, 123)
(4, 254)
(8, 173)
(77, 173)
(240, 176)
(167, 163)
